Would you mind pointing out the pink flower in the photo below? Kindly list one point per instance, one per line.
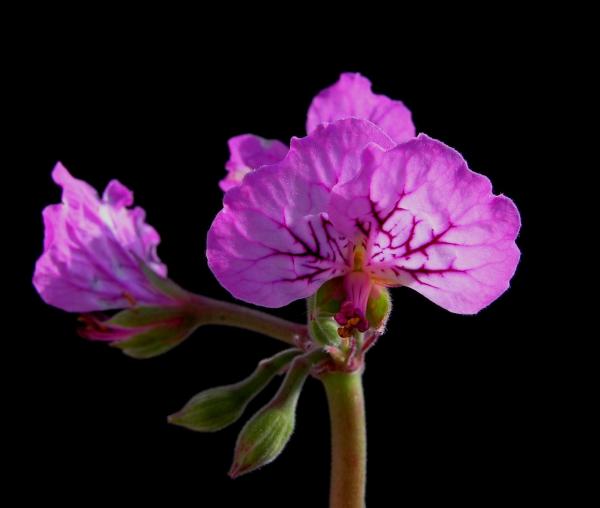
(350, 97)
(98, 254)
(347, 201)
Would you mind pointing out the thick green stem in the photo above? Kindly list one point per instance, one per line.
(348, 439)
(216, 312)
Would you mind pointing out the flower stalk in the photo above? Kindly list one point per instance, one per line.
(348, 439)
(216, 312)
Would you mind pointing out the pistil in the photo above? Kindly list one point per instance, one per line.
(351, 315)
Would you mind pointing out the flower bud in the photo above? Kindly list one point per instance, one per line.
(216, 408)
(265, 435)
(263, 438)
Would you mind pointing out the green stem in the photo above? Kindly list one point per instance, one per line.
(216, 312)
(348, 439)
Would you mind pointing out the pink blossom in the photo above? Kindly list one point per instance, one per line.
(350, 97)
(98, 254)
(346, 199)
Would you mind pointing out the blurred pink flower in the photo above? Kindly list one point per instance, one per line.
(98, 252)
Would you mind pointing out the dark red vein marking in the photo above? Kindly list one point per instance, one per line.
(436, 239)
(310, 277)
(423, 270)
(314, 255)
(325, 223)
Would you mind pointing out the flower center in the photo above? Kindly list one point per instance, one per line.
(357, 284)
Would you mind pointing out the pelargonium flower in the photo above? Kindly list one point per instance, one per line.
(97, 250)
(350, 97)
(100, 255)
(349, 202)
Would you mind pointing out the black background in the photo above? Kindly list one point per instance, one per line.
(454, 403)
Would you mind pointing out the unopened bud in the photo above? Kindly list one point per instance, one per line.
(265, 435)
(216, 408)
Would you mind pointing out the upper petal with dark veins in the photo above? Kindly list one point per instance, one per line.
(431, 223)
(273, 242)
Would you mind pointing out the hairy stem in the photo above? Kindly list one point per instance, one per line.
(216, 312)
(348, 439)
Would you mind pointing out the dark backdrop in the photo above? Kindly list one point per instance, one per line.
(453, 402)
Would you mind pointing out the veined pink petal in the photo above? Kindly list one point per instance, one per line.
(93, 249)
(273, 243)
(431, 223)
(351, 96)
(247, 153)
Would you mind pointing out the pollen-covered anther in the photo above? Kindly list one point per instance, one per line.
(351, 319)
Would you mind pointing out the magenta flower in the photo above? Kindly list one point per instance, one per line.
(350, 97)
(348, 202)
(98, 253)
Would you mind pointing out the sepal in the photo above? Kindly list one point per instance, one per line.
(142, 332)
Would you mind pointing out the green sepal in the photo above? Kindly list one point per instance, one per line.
(153, 342)
(329, 296)
(325, 331)
(144, 316)
(164, 284)
(379, 307)
(322, 306)
(152, 331)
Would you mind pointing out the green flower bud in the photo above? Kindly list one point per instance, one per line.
(265, 435)
(216, 408)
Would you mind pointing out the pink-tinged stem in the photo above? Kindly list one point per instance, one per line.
(216, 312)
(348, 439)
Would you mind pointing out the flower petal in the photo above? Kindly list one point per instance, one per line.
(94, 249)
(351, 96)
(247, 153)
(272, 243)
(432, 224)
